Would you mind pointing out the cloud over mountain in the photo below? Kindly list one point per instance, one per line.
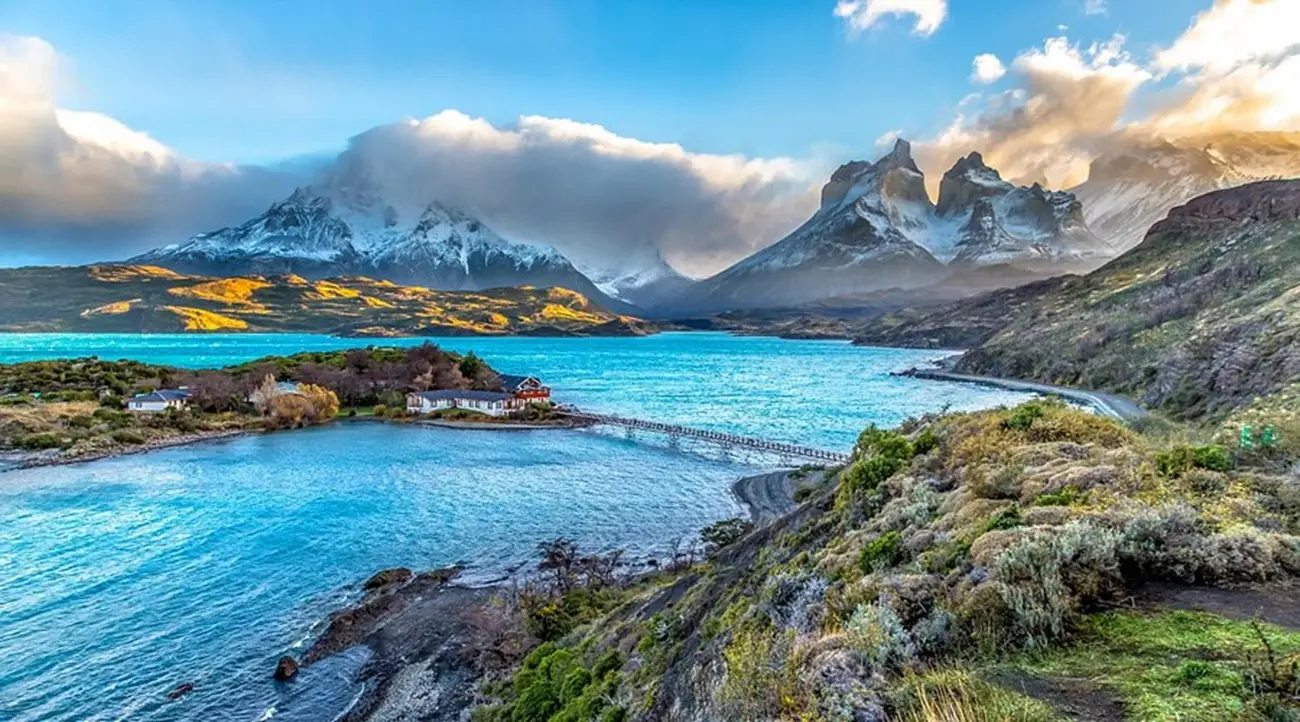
(81, 185)
(597, 196)
(1236, 67)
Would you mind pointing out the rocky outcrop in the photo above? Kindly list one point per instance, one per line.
(388, 578)
(1263, 202)
(285, 669)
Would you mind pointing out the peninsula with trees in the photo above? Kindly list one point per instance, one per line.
(80, 409)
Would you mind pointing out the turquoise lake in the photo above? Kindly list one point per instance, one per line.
(123, 578)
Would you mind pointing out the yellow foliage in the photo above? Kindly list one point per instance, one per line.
(497, 319)
(373, 302)
(325, 290)
(231, 291)
(197, 319)
(110, 309)
(121, 274)
(564, 313)
(564, 295)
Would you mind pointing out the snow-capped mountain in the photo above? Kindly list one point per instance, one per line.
(877, 229)
(1002, 223)
(343, 226)
(1128, 190)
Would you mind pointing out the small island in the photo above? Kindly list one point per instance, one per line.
(54, 412)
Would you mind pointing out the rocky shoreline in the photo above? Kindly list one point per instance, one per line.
(432, 640)
(36, 460)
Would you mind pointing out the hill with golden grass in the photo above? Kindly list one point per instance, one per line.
(149, 299)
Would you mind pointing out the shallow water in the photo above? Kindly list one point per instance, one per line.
(121, 579)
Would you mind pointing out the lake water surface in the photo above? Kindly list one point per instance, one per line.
(121, 579)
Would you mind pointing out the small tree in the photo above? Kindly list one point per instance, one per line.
(264, 394)
(471, 365)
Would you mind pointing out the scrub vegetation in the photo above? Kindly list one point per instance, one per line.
(976, 566)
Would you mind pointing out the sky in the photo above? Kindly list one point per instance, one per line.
(698, 131)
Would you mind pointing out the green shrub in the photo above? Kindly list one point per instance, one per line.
(81, 422)
(866, 474)
(124, 436)
(380, 410)
(878, 442)
(1024, 416)
(1065, 497)
(1179, 460)
(925, 442)
(883, 552)
(39, 442)
(1002, 519)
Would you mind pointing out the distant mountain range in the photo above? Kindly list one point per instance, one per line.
(877, 229)
(1128, 191)
(876, 233)
(344, 226)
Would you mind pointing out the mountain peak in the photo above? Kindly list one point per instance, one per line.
(899, 157)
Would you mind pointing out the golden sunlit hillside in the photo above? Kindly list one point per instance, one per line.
(148, 299)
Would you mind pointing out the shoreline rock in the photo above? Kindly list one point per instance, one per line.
(158, 445)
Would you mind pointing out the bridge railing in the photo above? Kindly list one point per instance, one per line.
(719, 437)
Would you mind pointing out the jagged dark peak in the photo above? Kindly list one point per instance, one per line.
(969, 180)
(972, 162)
(850, 170)
(899, 157)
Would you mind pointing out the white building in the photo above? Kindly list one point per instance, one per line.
(492, 403)
(160, 400)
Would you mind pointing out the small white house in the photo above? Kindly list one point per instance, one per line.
(160, 400)
(492, 403)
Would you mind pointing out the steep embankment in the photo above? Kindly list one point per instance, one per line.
(964, 565)
(149, 299)
(1198, 320)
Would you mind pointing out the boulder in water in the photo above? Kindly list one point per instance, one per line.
(286, 668)
(181, 690)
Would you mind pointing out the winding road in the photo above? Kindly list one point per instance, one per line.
(1117, 407)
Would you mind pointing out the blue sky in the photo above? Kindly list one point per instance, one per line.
(255, 82)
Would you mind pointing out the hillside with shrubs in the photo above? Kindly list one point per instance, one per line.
(1032, 564)
(69, 409)
(1197, 322)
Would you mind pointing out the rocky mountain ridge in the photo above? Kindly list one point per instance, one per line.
(876, 228)
(343, 225)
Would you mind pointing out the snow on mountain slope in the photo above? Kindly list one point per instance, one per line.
(343, 225)
(864, 237)
(1005, 224)
(877, 229)
(1129, 190)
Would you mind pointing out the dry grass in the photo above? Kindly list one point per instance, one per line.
(197, 319)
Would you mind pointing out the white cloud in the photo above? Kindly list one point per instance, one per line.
(886, 139)
(1236, 68)
(987, 68)
(1094, 7)
(1068, 97)
(81, 186)
(862, 14)
(600, 197)
(1234, 32)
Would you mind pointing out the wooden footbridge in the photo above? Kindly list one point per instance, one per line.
(675, 432)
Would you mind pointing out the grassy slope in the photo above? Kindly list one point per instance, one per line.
(150, 299)
(968, 584)
(1198, 321)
